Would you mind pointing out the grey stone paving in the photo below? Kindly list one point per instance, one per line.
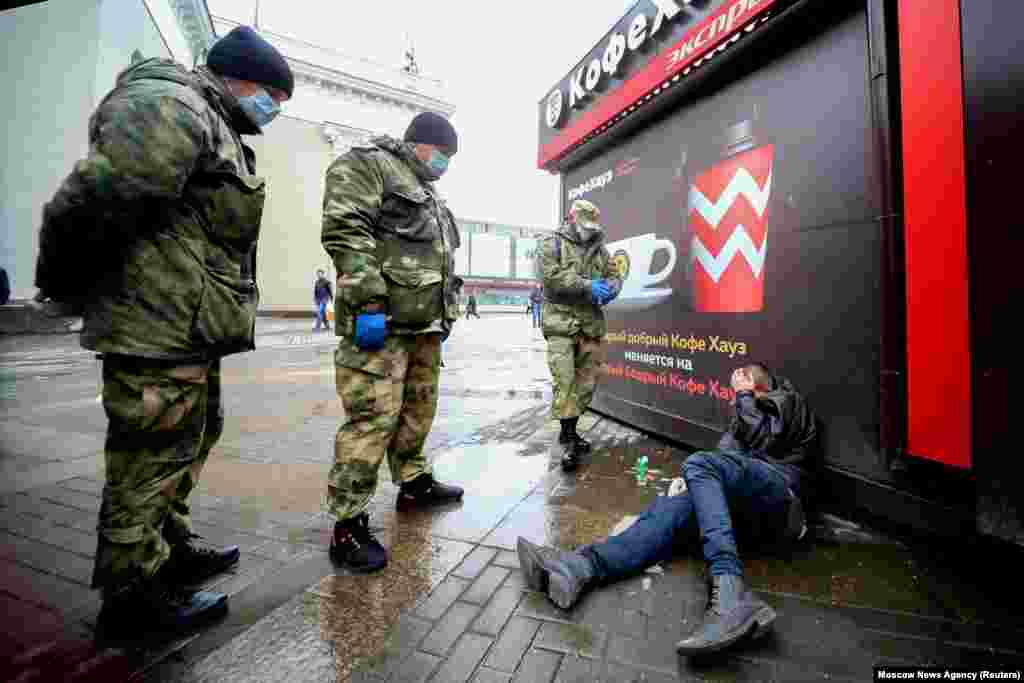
(452, 606)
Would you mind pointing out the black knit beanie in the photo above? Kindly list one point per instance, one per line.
(242, 54)
(432, 129)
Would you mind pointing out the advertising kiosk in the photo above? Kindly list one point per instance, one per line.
(824, 186)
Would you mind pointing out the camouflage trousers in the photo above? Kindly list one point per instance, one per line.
(163, 420)
(574, 363)
(390, 399)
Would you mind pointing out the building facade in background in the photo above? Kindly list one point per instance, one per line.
(57, 61)
(339, 101)
(497, 261)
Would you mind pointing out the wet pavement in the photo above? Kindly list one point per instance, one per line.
(452, 605)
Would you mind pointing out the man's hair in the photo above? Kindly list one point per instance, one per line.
(761, 375)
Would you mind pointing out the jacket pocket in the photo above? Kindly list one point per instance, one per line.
(227, 312)
(408, 214)
(231, 205)
(415, 297)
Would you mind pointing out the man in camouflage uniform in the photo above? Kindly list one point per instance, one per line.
(392, 240)
(579, 278)
(152, 238)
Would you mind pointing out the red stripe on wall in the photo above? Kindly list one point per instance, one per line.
(935, 226)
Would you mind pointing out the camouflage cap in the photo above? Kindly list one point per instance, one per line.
(586, 213)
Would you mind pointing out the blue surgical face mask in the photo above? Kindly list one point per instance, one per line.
(260, 108)
(438, 163)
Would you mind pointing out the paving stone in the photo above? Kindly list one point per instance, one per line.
(42, 530)
(441, 598)
(512, 644)
(49, 559)
(475, 562)
(537, 606)
(573, 639)
(40, 588)
(89, 502)
(282, 551)
(449, 628)
(34, 506)
(602, 608)
(498, 610)
(464, 659)
(538, 667)
(401, 642)
(83, 484)
(416, 668)
(516, 580)
(485, 675)
(726, 666)
(617, 673)
(249, 570)
(577, 670)
(506, 559)
(657, 654)
(483, 588)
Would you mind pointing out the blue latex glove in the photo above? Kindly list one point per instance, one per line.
(371, 328)
(614, 293)
(599, 292)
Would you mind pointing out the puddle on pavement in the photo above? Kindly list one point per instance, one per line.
(494, 469)
(287, 487)
(358, 614)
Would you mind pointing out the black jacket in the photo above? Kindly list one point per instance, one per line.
(778, 426)
(322, 290)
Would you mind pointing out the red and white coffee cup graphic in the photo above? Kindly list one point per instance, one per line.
(728, 216)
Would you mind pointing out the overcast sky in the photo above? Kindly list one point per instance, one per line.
(497, 60)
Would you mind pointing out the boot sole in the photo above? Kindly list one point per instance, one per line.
(356, 568)
(537, 580)
(758, 627)
(560, 593)
(132, 632)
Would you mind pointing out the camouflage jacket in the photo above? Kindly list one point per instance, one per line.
(567, 266)
(153, 235)
(392, 240)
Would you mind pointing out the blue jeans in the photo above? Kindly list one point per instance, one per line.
(536, 315)
(321, 314)
(719, 486)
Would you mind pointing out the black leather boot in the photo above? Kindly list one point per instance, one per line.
(570, 457)
(424, 491)
(562, 575)
(193, 562)
(144, 604)
(733, 612)
(569, 435)
(354, 546)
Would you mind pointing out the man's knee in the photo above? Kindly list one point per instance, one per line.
(698, 463)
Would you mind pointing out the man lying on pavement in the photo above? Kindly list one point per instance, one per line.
(758, 473)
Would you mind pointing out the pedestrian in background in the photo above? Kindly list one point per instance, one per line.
(579, 278)
(471, 306)
(392, 239)
(153, 237)
(5, 287)
(536, 300)
(322, 293)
